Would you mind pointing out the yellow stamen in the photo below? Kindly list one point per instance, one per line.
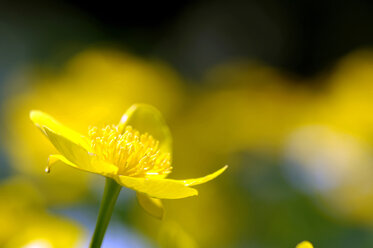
(135, 154)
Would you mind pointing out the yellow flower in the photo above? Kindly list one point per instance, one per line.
(136, 153)
(304, 244)
(102, 81)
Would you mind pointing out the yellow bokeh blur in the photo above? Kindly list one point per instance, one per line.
(24, 219)
(335, 138)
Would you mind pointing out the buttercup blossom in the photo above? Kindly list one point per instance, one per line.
(136, 153)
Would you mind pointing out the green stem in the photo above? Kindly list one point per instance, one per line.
(109, 198)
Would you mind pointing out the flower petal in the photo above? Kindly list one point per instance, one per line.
(43, 120)
(148, 119)
(72, 151)
(98, 167)
(58, 158)
(74, 147)
(304, 244)
(78, 156)
(151, 205)
(157, 188)
(200, 180)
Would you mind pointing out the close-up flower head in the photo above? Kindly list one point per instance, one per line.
(191, 124)
(133, 159)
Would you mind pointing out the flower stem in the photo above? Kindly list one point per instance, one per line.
(109, 198)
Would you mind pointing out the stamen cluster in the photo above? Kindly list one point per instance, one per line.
(135, 154)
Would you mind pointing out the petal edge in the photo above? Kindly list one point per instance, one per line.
(148, 119)
(157, 188)
(109, 169)
(205, 179)
(43, 120)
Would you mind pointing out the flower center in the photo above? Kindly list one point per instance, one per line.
(135, 154)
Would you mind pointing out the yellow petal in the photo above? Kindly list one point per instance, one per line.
(304, 244)
(72, 151)
(56, 158)
(43, 120)
(148, 119)
(151, 205)
(200, 180)
(157, 188)
(95, 166)
(73, 146)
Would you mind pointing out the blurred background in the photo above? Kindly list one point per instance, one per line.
(281, 91)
